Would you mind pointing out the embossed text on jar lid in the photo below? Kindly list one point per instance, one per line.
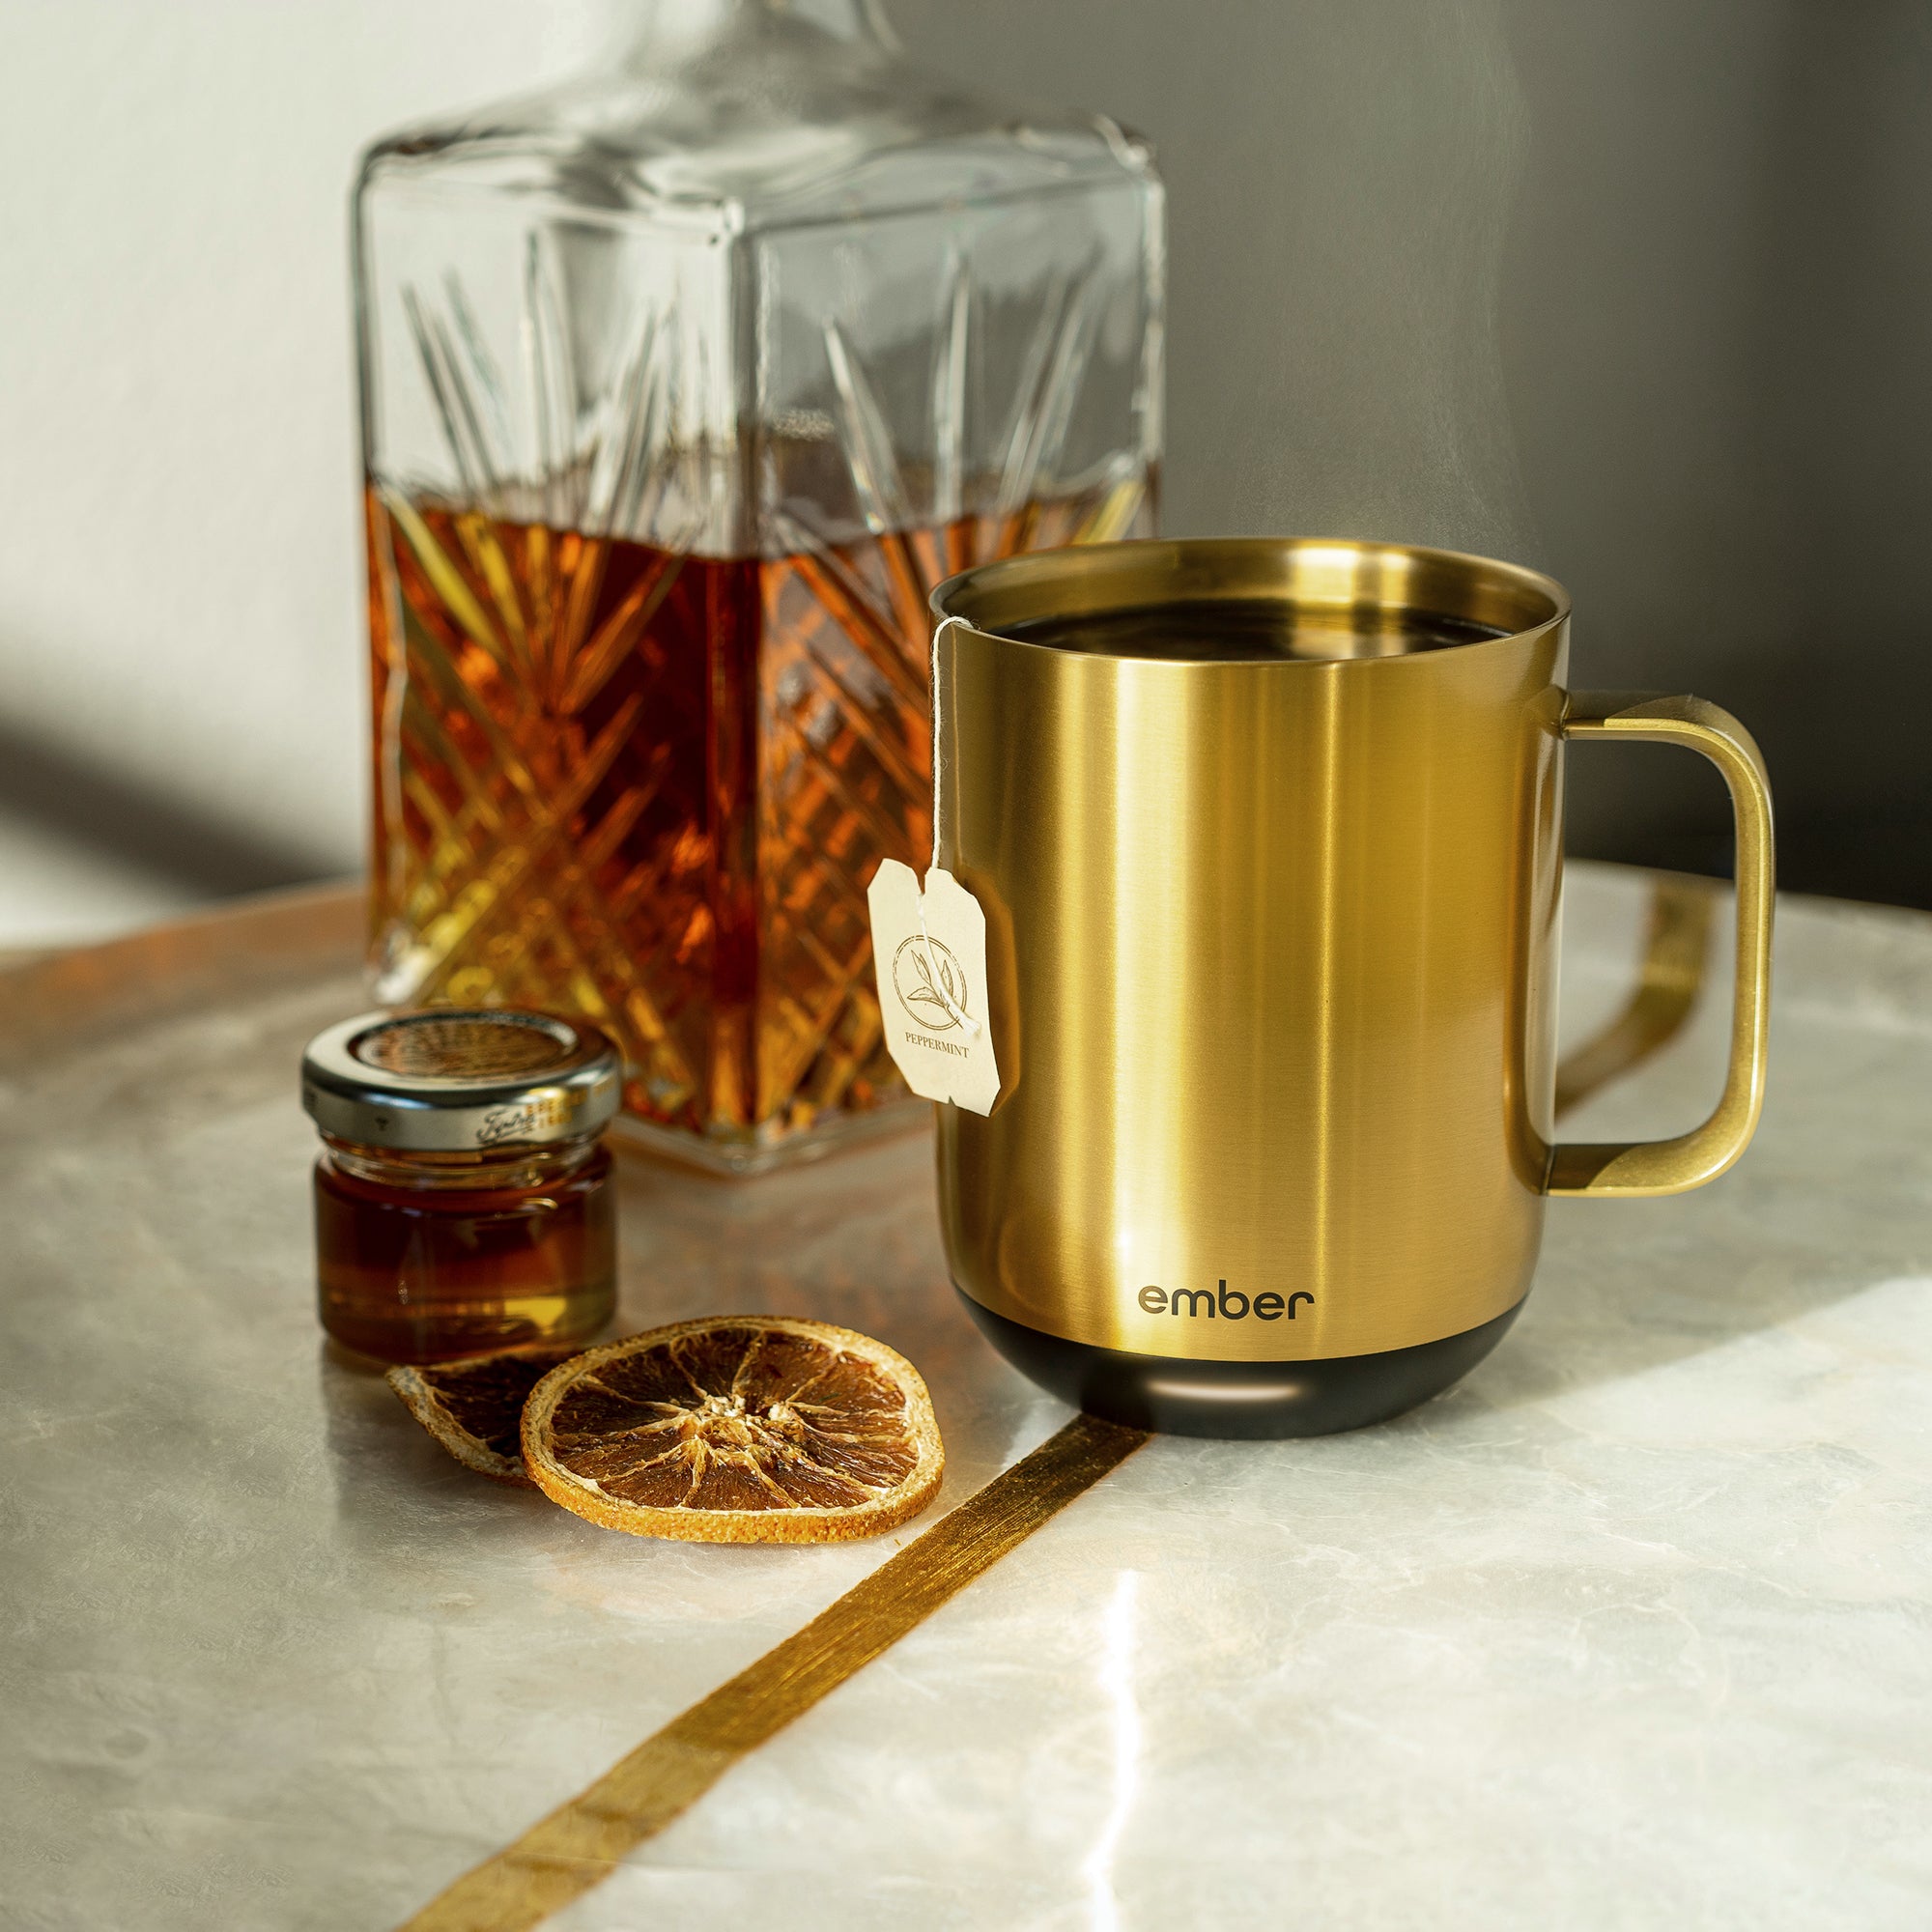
(460, 1079)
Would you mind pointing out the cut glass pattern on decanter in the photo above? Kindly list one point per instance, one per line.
(674, 417)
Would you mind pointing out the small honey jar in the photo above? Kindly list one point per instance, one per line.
(462, 1198)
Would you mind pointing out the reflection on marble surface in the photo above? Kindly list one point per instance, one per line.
(1117, 1685)
(1634, 1627)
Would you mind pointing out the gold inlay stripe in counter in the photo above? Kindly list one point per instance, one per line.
(581, 1842)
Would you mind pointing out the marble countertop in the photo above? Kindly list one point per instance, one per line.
(1632, 1628)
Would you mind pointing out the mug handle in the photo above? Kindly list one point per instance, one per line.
(1626, 1168)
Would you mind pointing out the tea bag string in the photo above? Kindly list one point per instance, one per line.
(971, 1027)
(940, 754)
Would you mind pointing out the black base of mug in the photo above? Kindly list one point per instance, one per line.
(1245, 1401)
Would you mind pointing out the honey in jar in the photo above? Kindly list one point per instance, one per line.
(462, 1197)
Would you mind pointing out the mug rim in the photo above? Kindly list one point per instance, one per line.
(1208, 569)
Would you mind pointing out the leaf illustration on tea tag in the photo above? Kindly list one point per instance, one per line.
(929, 956)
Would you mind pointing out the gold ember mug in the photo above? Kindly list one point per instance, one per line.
(1269, 839)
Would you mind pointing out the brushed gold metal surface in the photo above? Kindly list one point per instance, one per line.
(1629, 1168)
(1271, 949)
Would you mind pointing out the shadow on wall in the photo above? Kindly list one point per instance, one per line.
(146, 829)
(1718, 300)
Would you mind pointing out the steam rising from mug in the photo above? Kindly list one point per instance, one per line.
(1357, 280)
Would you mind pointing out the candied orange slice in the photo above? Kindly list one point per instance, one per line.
(474, 1407)
(738, 1429)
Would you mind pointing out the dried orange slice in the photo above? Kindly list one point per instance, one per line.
(738, 1429)
(474, 1407)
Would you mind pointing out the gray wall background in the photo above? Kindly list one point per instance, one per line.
(181, 671)
(1639, 292)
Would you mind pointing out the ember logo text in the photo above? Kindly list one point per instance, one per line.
(1199, 1303)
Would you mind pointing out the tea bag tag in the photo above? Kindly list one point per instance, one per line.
(929, 955)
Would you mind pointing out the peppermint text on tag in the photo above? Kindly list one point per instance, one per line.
(929, 954)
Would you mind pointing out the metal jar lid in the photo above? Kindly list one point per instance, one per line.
(460, 1079)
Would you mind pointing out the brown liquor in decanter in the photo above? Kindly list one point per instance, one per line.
(649, 788)
(682, 382)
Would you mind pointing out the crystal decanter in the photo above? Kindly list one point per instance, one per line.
(682, 386)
